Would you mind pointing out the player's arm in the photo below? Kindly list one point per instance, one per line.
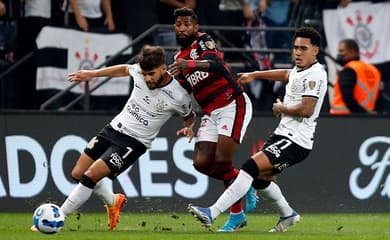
(187, 130)
(273, 75)
(209, 59)
(304, 109)
(113, 71)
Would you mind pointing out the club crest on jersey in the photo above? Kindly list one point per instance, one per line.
(160, 106)
(194, 54)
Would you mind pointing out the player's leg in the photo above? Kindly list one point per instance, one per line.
(118, 159)
(280, 153)
(229, 125)
(226, 147)
(81, 193)
(205, 159)
(95, 148)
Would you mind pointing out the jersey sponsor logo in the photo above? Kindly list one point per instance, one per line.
(274, 150)
(169, 93)
(281, 167)
(294, 85)
(277, 147)
(116, 160)
(92, 142)
(195, 77)
(133, 110)
(146, 99)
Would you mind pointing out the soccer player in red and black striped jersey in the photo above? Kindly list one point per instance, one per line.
(227, 110)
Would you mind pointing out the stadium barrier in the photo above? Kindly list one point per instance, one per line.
(348, 170)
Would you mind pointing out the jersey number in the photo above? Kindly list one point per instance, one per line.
(127, 153)
(283, 143)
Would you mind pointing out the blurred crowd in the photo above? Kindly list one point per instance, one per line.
(22, 20)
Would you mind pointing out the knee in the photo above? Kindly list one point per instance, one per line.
(203, 168)
(76, 175)
(260, 183)
(87, 181)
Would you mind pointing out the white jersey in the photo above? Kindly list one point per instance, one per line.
(311, 82)
(147, 110)
(88, 8)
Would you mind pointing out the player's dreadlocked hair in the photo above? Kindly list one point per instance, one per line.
(184, 12)
(151, 57)
(309, 32)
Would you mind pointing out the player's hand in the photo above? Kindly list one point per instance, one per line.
(278, 107)
(244, 77)
(186, 131)
(178, 67)
(80, 75)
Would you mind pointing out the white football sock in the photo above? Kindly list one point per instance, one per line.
(273, 193)
(232, 194)
(104, 192)
(79, 195)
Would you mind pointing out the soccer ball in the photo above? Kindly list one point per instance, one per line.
(48, 218)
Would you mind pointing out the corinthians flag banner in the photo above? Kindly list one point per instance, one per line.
(62, 51)
(365, 22)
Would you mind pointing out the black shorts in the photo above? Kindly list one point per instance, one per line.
(283, 153)
(117, 150)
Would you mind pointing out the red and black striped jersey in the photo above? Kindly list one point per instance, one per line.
(211, 90)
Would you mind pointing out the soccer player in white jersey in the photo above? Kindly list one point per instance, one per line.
(156, 97)
(292, 140)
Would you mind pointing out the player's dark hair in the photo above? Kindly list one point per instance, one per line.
(185, 12)
(351, 45)
(151, 57)
(309, 32)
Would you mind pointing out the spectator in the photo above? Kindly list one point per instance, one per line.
(260, 92)
(37, 14)
(356, 89)
(207, 11)
(9, 96)
(7, 32)
(88, 16)
(277, 15)
(231, 15)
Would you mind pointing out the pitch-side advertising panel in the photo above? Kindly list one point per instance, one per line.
(348, 170)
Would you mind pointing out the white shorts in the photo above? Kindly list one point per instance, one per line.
(231, 120)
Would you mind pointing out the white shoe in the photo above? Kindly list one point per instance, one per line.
(285, 222)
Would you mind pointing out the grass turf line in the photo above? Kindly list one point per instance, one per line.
(178, 226)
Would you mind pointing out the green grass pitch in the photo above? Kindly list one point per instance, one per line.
(173, 226)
